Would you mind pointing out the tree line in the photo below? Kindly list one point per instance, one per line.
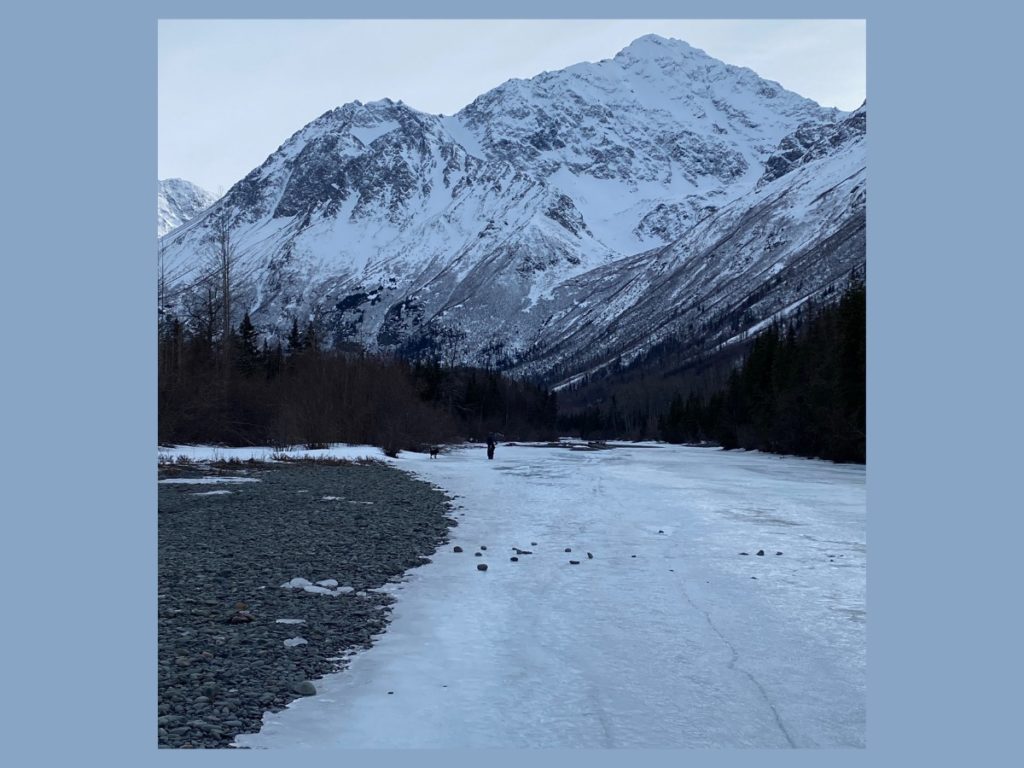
(799, 389)
(231, 385)
(246, 391)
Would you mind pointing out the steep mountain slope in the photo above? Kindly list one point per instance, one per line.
(178, 201)
(644, 143)
(509, 232)
(800, 232)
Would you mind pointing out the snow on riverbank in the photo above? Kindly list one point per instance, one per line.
(666, 637)
(263, 453)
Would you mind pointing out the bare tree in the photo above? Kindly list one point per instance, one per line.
(222, 252)
(451, 342)
(202, 307)
(161, 281)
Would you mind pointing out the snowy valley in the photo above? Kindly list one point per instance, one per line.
(582, 270)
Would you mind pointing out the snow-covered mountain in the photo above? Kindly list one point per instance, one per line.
(553, 223)
(795, 236)
(178, 201)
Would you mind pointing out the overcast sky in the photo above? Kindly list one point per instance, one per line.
(231, 91)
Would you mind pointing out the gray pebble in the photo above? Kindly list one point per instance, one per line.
(262, 536)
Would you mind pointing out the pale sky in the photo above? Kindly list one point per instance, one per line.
(231, 91)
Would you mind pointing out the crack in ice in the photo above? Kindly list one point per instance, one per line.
(733, 666)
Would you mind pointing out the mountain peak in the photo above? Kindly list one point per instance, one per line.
(384, 103)
(654, 55)
(648, 45)
(178, 201)
(175, 183)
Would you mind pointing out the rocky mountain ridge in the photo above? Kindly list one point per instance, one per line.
(554, 223)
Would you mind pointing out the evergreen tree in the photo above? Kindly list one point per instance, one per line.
(802, 392)
(295, 339)
(273, 359)
(309, 338)
(248, 352)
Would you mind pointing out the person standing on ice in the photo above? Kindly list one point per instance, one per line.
(492, 440)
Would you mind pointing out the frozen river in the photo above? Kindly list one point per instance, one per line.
(667, 637)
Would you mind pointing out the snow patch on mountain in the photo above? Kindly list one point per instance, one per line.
(178, 201)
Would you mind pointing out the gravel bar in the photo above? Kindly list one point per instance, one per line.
(230, 537)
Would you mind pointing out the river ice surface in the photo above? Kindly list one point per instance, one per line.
(667, 637)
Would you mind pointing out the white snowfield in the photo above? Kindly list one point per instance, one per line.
(263, 453)
(687, 644)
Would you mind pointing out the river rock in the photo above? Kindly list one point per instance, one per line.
(304, 688)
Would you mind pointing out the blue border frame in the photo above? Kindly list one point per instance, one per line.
(79, 130)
